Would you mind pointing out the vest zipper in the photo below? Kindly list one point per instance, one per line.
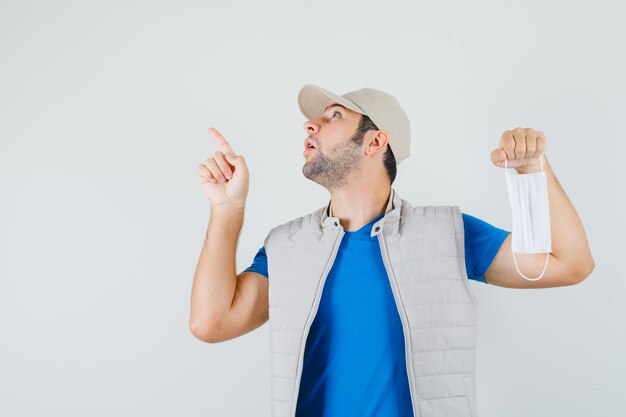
(307, 326)
(405, 326)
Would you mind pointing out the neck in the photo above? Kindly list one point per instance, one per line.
(359, 204)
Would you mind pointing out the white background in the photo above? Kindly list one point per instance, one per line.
(104, 110)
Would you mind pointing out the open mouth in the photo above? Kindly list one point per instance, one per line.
(308, 146)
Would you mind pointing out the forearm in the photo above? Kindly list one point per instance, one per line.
(569, 241)
(215, 278)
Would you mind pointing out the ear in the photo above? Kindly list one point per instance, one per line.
(376, 141)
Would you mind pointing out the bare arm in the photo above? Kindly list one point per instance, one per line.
(570, 261)
(224, 180)
(215, 279)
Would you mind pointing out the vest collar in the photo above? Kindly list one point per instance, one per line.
(394, 202)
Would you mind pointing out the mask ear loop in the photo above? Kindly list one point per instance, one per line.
(515, 260)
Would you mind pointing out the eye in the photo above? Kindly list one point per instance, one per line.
(336, 112)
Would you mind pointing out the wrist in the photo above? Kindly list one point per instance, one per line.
(528, 170)
(228, 207)
(533, 165)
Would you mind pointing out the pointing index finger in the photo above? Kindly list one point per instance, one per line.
(222, 142)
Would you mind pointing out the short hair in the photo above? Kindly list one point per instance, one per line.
(389, 160)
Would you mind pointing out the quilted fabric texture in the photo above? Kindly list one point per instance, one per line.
(422, 249)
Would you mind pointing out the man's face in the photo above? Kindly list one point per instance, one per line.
(335, 155)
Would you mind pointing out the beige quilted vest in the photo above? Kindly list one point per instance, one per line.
(423, 251)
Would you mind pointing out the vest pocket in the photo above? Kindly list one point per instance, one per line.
(470, 391)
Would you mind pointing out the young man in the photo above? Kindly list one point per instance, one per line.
(370, 310)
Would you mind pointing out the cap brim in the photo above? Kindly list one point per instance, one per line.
(313, 100)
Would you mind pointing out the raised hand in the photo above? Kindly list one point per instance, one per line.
(522, 148)
(224, 176)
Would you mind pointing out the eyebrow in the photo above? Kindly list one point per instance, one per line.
(335, 105)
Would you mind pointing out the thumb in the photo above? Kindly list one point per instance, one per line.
(497, 157)
(232, 159)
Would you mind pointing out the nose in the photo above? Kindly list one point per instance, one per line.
(311, 127)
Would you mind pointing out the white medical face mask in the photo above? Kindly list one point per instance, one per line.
(528, 195)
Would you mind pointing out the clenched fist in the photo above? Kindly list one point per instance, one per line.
(522, 148)
(224, 176)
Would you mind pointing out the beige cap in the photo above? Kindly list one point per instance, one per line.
(383, 108)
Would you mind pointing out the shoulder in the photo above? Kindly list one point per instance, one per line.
(444, 212)
(477, 225)
(310, 221)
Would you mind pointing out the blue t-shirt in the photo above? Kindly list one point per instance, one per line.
(354, 359)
